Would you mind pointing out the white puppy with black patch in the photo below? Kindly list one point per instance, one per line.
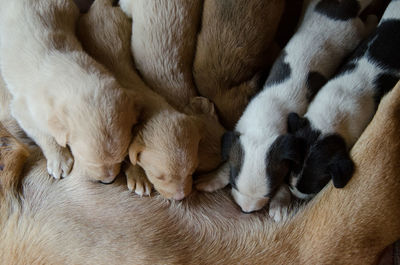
(259, 158)
(344, 107)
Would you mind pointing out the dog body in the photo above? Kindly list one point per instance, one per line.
(344, 107)
(233, 52)
(261, 156)
(338, 227)
(60, 95)
(163, 43)
(166, 143)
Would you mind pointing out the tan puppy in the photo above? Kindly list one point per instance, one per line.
(166, 143)
(233, 48)
(163, 44)
(60, 95)
(347, 226)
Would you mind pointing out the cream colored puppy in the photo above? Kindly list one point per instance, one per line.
(163, 43)
(166, 143)
(60, 95)
(233, 52)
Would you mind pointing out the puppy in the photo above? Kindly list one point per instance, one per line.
(259, 156)
(233, 50)
(163, 43)
(344, 107)
(60, 96)
(166, 143)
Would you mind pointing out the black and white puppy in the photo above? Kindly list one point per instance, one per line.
(344, 107)
(258, 157)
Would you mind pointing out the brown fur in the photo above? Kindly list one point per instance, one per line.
(233, 50)
(166, 143)
(78, 222)
(163, 45)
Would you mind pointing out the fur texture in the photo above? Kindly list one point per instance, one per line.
(78, 222)
(234, 52)
(311, 56)
(60, 96)
(163, 44)
(170, 146)
(345, 106)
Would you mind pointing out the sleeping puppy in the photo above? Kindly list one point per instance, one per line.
(259, 157)
(60, 95)
(166, 142)
(233, 50)
(344, 107)
(163, 43)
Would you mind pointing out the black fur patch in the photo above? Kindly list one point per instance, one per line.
(384, 48)
(1, 167)
(280, 71)
(347, 68)
(115, 2)
(236, 156)
(383, 84)
(227, 141)
(315, 81)
(327, 159)
(285, 154)
(338, 10)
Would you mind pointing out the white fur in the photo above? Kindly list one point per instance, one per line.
(345, 105)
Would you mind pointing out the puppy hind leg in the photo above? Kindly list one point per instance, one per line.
(59, 159)
(137, 181)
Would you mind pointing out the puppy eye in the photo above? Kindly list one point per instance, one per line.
(161, 177)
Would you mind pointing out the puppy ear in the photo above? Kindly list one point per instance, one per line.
(341, 170)
(291, 149)
(295, 122)
(340, 167)
(135, 149)
(226, 144)
(200, 105)
(58, 131)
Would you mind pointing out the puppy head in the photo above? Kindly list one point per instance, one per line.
(326, 158)
(258, 169)
(166, 147)
(99, 133)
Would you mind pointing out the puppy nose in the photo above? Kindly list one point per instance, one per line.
(108, 180)
(179, 196)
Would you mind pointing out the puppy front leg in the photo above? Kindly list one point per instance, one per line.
(215, 180)
(59, 159)
(278, 206)
(137, 181)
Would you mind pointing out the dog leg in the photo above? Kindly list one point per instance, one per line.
(278, 207)
(137, 181)
(59, 159)
(215, 180)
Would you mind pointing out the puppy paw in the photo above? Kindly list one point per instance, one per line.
(137, 181)
(215, 180)
(278, 213)
(279, 205)
(59, 164)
